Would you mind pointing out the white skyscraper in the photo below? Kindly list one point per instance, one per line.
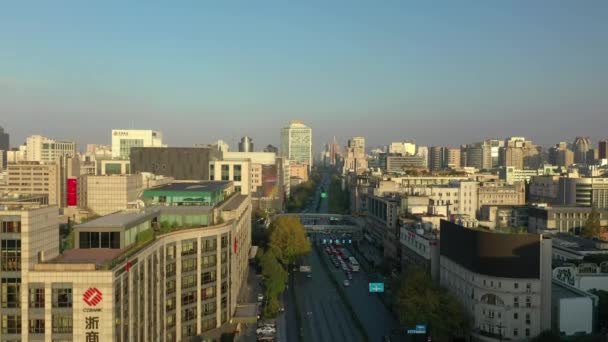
(43, 149)
(296, 142)
(124, 139)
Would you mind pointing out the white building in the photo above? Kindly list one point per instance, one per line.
(502, 280)
(296, 142)
(124, 139)
(43, 149)
(402, 147)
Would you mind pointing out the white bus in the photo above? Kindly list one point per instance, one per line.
(354, 264)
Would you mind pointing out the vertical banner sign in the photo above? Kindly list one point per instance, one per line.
(72, 192)
(92, 297)
(236, 245)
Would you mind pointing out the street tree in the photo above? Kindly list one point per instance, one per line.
(288, 239)
(419, 301)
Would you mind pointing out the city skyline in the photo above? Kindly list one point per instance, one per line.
(440, 75)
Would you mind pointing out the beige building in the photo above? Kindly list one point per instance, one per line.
(544, 189)
(453, 158)
(34, 178)
(182, 281)
(103, 195)
(583, 191)
(43, 149)
(238, 171)
(298, 170)
(501, 193)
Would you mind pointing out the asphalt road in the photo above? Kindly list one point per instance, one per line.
(324, 314)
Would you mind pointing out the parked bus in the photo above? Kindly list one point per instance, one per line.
(354, 264)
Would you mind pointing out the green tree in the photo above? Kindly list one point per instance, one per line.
(288, 239)
(419, 301)
(275, 278)
(592, 228)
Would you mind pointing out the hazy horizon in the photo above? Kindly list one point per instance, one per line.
(445, 75)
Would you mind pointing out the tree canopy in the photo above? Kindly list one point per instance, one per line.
(419, 301)
(275, 279)
(288, 239)
(592, 228)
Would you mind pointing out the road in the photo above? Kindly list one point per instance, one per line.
(325, 316)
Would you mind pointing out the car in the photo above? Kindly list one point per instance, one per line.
(267, 330)
(346, 282)
(260, 297)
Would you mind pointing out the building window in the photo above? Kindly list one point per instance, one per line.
(62, 298)
(516, 302)
(11, 255)
(11, 292)
(36, 326)
(188, 297)
(11, 227)
(189, 314)
(188, 281)
(209, 308)
(237, 189)
(170, 304)
(170, 286)
(208, 293)
(515, 315)
(208, 261)
(188, 330)
(211, 172)
(36, 297)
(527, 332)
(209, 245)
(209, 323)
(528, 302)
(528, 319)
(171, 270)
(515, 332)
(224, 287)
(516, 285)
(528, 287)
(188, 265)
(208, 277)
(11, 324)
(225, 172)
(236, 169)
(62, 324)
(188, 247)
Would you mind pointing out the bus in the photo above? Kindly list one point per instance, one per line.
(354, 264)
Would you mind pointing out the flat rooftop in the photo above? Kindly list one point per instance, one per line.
(121, 219)
(234, 202)
(209, 186)
(561, 291)
(575, 243)
(97, 256)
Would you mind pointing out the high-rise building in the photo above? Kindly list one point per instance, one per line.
(43, 149)
(583, 191)
(167, 273)
(423, 152)
(103, 195)
(246, 144)
(4, 147)
(561, 155)
(452, 156)
(296, 142)
(520, 154)
(478, 155)
(358, 144)
(35, 178)
(125, 139)
(581, 146)
(355, 159)
(402, 148)
(436, 158)
(602, 149)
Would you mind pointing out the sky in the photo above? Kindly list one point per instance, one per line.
(438, 72)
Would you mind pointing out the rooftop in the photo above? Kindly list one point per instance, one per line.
(120, 219)
(560, 290)
(208, 186)
(575, 243)
(97, 256)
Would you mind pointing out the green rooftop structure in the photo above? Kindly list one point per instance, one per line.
(207, 194)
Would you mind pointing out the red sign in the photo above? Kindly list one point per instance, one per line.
(236, 245)
(72, 192)
(92, 296)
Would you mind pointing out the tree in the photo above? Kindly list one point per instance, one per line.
(275, 278)
(288, 239)
(419, 301)
(592, 228)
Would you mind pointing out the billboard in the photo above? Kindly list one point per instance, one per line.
(270, 181)
(72, 192)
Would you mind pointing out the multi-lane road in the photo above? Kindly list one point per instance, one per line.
(324, 315)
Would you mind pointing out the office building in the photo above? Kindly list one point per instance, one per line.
(181, 163)
(103, 195)
(437, 158)
(296, 143)
(402, 148)
(400, 163)
(510, 174)
(113, 167)
(125, 139)
(358, 144)
(502, 280)
(298, 170)
(235, 170)
(583, 191)
(520, 154)
(602, 149)
(544, 189)
(381, 224)
(581, 146)
(420, 248)
(561, 155)
(4, 147)
(43, 149)
(544, 219)
(477, 155)
(166, 273)
(16, 155)
(453, 158)
(246, 144)
(501, 193)
(423, 152)
(355, 159)
(35, 178)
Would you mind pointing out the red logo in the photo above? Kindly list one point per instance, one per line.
(92, 296)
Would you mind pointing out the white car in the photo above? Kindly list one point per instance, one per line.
(346, 282)
(260, 297)
(265, 331)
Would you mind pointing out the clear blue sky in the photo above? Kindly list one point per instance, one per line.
(449, 72)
